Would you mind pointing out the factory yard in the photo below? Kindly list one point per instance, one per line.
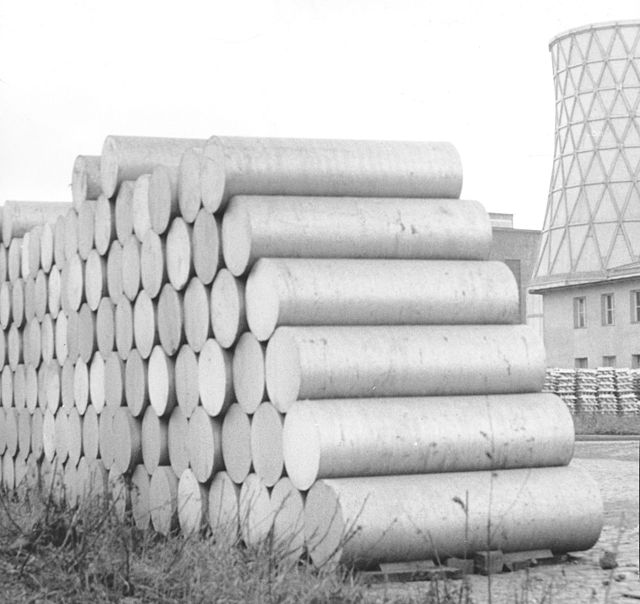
(614, 464)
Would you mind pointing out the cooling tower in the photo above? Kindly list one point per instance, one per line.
(592, 221)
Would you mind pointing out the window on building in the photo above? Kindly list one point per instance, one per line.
(609, 361)
(608, 309)
(579, 312)
(635, 306)
(582, 362)
(635, 361)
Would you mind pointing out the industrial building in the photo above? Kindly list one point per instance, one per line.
(588, 266)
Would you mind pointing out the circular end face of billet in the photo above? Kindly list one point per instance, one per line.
(54, 292)
(74, 436)
(113, 380)
(140, 206)
(86, 333)
(178, 253)
(105, 327)
(236, 239)
(288, 519)
(114, 271)
(62, 444)
(189, 199)
(192, 503)
(262, 300)
(160, 382)
(5, 304)
(144, 324)
(109, 167)
(256, 515)
(227, 308)
(86, 222)
(31, 389)
(170, 319)
(119, 493)
(81, 386)
(104, 224)
(196, 314)
(127, 451)
(203, 445)
(186, 377)
(325, 529)
(282, 370)
(152, 266)
(163, 499)
(177, 435)
(124, 211)
(24, 433)
(124, 328)
(105, 436)
(162, 197)
(94, 279)
(212, 176)
(11, 426)
(70, 234)
(97, 388)
(67, 376)
(155, 451)
(236, 443)
(48, 434)
(52, 386)
(58, 242)
(135, 383)
(40, 293)
(79, 181)
(7, 387)
(206, 246)
(90, 433)
(46, 247)
(266, 443)
(140, 498)
(223, 509)
(214, 378)
(131, 267)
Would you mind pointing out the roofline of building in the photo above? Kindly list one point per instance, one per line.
(542, 288)
(593, 26)
(516, 230)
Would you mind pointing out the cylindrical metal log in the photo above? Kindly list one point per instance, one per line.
(425, 516)
(19, 217)
(204, 445)
(155, 441)
(85, 179)
(206, 242)
(422, 360)
(228, 312)
(97, 388)
(254, 506)
(197, 322)
(135, 384)
(104, 227)
(338, 227)
(163, 499)
(105, 436)
(90, 433)
(54, 292)
(236, 443)
(387, 436)
(127, 435)
(179, 253)
(114, 271)
(145, 334)
(140, 206)
(338, 168)
(266, 443)
(73, 336)
(140, 499)
(192, 504)
(74, 436)
(163, 197)
(170, 319)
(81, 386)
(14, 261)
(105, 327)
(87, 340)
(153, 273)
(31, 389)
(124, 328)
(214, 378)
(186, 380)
(72, 291)
(17, 303)
(70, 233)
(224, 518)
(131, 267)
(124, 211)
(40, 293)
(161, 382)
(177, 441)
(128, 157)
(47, 333)
(86, 225)
(377, 292)
(95, 279)
(287, 504)
(46, 246)
(58, 242)
(189, 198)
(113, 381)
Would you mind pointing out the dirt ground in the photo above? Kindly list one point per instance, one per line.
(615, 465)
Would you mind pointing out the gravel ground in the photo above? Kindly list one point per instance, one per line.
(580, 580)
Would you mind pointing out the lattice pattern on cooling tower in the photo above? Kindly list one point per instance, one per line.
(592, 222)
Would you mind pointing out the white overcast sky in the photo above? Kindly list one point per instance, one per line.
(472, 72)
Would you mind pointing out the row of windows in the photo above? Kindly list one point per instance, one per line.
(607, 361)
(607, 309)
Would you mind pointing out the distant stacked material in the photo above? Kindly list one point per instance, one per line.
(566, 387)
(607, 400)
(627, 401)
(283, 337)
(587, 390)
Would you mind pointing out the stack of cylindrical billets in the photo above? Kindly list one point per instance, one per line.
(301, 337)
